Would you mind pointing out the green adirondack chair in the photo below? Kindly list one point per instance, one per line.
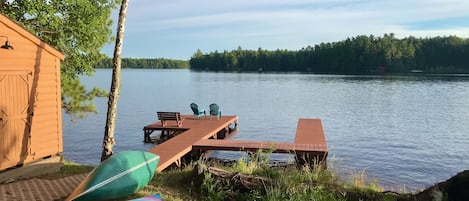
(196, 110)
(215, 110)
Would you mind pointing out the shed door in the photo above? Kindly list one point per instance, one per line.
(14, 115)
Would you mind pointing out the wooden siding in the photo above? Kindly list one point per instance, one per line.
(41, 64)
(46, 140)
(14, 132)
(9, 27)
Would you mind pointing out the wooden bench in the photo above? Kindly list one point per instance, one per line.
(170, 116)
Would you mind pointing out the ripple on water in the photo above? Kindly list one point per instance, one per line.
(406, 131)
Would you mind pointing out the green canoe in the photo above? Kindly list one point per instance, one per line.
(122, 175)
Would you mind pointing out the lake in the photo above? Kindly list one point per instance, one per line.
(407, 131)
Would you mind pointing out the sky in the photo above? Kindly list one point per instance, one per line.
(176, 29)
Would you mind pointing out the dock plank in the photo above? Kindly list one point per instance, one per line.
(310, 131)
(172, 150)
(244, 145)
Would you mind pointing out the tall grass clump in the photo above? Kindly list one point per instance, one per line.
(257, 162)
(211, 188)
(358, 180)
(304, 183)
(288, 182)
(294, 182)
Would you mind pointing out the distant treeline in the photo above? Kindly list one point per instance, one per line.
(159, 63)
(358, 55)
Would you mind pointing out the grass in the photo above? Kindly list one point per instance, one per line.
(289, 183)
(293, 183)
(175, 185)
(68, 169)
(311, 183)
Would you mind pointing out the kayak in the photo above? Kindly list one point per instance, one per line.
(123, 174)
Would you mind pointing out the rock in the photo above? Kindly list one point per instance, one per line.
(454, 189)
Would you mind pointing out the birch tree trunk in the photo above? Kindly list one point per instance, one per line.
(108, 141)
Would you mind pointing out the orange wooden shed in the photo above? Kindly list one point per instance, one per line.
(30, 100)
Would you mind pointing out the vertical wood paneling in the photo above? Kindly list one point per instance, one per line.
(29, 77)
(15, 132)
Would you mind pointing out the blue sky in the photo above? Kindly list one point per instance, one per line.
(176, 29)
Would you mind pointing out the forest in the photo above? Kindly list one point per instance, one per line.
(358, 55)
(141, 63)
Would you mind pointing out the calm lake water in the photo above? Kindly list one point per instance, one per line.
(404, 130)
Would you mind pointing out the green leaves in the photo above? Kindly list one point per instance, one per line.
(76, 100)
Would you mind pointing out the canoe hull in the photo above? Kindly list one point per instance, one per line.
(122, 175)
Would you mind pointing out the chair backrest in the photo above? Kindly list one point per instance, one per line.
(214, 109)
(195, 108)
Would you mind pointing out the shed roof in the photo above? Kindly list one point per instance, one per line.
(26, 34)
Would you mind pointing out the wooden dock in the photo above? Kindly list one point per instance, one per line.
(253, 146)
(192, 130)
(208, 134)
(310, 131)
(309, 145)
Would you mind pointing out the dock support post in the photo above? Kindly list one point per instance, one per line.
(146, 135)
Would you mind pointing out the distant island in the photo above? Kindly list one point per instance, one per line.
(358, 55)
(142, 63)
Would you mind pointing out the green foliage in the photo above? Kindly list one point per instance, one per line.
(303, 192)
(255, 165)
(78, 28)
(211, 188)
(244, 167)
(172, 185)
(288, 184)
(76, 100)
(296, 183)
(159, 63)
(358, 180)
(358, 55)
